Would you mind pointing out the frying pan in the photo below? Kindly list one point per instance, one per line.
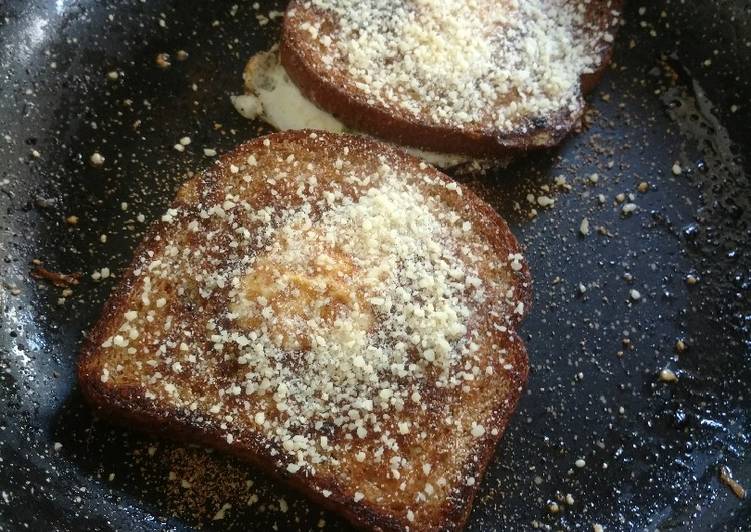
(666, 131)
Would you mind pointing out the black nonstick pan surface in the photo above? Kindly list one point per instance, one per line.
(599, 437)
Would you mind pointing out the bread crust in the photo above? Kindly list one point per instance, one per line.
(335, 93)
(124, 404)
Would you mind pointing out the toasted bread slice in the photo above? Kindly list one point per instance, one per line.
(477, 77)
(332, 310)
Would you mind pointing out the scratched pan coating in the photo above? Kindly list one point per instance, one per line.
(666, 132)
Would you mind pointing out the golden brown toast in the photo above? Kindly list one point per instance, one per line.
(476, 77)
(332, 310)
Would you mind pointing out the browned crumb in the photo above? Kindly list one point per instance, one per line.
(61, 280)
(726, 476)
(163, 60)
(604, 231)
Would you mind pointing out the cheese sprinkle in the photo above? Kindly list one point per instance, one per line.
(462, 63)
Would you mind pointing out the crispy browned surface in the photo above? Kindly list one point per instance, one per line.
(454, 455)
(333, 90)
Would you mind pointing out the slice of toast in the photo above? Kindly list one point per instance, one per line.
(332, 310)
(476, 77)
